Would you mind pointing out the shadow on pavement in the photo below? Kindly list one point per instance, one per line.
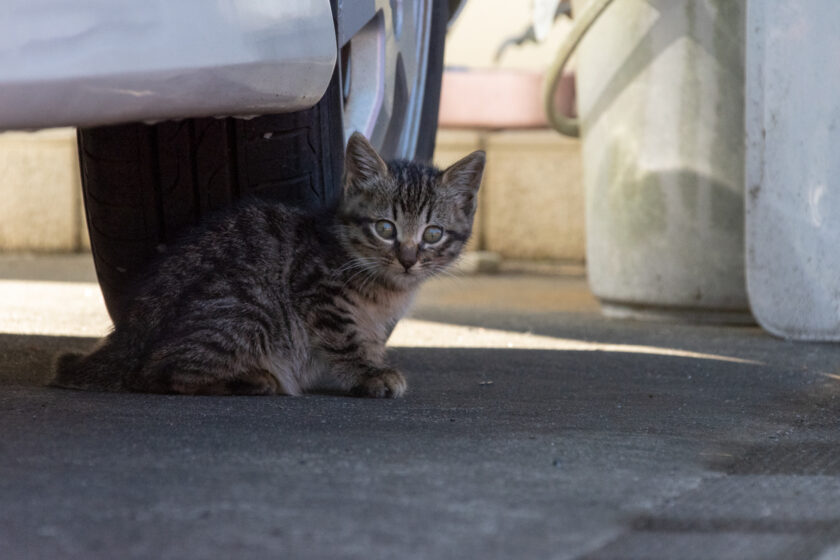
(27, 359)
(494, 453)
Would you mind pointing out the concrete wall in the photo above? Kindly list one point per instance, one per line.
(531, 200)
(40, 192)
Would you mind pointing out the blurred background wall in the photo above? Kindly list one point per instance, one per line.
(531, 206)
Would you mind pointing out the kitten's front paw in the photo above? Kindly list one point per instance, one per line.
(385, 383)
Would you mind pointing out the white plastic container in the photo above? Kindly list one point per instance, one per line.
(660, 97)
(793, 167)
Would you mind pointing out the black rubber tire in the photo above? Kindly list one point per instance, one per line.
(434, 75)
(143, 183)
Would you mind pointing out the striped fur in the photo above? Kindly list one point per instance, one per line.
(266, 299)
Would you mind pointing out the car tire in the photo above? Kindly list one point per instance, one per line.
(143, 183)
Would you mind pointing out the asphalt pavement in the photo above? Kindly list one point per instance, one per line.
(533, 428)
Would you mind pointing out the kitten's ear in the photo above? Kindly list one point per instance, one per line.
(465, 174)
(361, 162)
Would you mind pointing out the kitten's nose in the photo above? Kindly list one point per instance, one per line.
(407, 255)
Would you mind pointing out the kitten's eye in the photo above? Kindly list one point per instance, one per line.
(432, 234)
(385, 229)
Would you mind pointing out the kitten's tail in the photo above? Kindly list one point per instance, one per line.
(101, 370)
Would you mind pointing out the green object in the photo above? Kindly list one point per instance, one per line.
(560, 122)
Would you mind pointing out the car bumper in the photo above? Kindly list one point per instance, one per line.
(95, 62)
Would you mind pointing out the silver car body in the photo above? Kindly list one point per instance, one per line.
(93, 62)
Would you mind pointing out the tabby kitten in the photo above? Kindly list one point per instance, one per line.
(267, 299)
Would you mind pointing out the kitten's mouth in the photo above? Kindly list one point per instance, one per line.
(400, 270)
(400, 273)
(411, 273)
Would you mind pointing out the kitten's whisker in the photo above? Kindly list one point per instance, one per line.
(365, 271)
(368, 280)
(354, 264)
(445, 273)
(359, 272)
